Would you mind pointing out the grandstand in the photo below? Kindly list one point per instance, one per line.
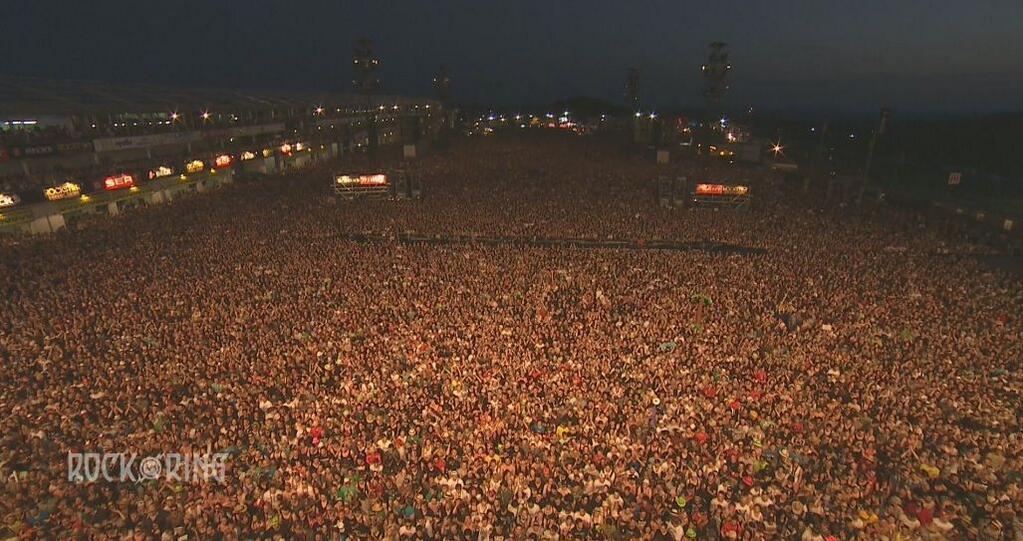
(54, 132)
(53, 126)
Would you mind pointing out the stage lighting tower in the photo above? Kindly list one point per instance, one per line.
(442, 85)
(632, 89)
(715, 75)
(364, 67)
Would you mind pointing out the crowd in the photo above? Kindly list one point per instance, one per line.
(859, 379)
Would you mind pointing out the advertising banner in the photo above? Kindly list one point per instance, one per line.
(8, 200)
(222, 161)
(243, 131)
(142, 141)
(160, 172)
(64, 191)
(118, 182)
(29, 152)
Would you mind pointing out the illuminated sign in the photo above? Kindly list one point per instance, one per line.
(118, 182)
(8, 200)
(160, 172)
(195, 166)
(710, 189)
(361, 180)
(247, 155)
(286, 149)
(222, 161)
(64, 191)
(267, 152)
(720, 189)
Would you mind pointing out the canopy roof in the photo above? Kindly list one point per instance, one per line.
(29, 96)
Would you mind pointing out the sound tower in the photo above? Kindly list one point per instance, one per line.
(400, 184)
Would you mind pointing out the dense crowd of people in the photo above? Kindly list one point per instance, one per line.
(858, 379)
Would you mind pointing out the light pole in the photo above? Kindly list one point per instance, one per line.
(881, 128)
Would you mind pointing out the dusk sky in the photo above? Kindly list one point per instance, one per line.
(933, 55)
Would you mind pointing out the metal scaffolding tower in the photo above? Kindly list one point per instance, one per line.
(364, 66)
(715, 74)
(632, 89)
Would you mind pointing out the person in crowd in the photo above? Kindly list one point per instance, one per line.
(826, 388)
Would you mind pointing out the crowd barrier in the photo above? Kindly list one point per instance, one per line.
(542, 242)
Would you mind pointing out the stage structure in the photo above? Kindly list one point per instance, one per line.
(407, 184)
(671, 191)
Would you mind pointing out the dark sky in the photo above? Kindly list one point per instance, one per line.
(913, 55)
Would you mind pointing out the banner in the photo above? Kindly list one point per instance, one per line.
(331, 122)
(44, 150)
(243, 131)
(80, 146)
(710, 189)
(720, 189)
(142, 141)
(41, 150)
(361, 180)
